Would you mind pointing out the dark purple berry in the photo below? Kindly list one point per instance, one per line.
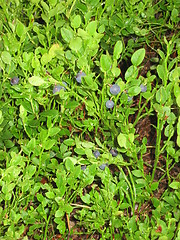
(114, 152)
(14, 81)
(114, 89)
(83, 167)
(57, 88)
(79, 76)
(109, 104)
(96, 153)
(102, 166)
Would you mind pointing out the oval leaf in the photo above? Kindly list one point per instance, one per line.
(6, 57)
(36, 81)
(117, 50)
(138, 57)
(105, 62)
(161, 95)
(67, 34)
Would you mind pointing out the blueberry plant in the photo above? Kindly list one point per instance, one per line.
(89, 119)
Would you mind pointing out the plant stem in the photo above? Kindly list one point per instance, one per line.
(140, 111)
(157, 149)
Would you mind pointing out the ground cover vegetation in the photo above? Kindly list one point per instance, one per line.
(89, 119)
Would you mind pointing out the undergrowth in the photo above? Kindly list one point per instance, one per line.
(89, 119)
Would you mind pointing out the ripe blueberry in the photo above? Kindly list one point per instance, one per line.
(114, 152)
(96, 153)
(79, 76)
(102, 166)
(143, 88)
(57, 88)
(14, 81)
(114, 89)
(83, 167)
(109, 104)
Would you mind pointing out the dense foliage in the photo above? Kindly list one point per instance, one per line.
(89, 119)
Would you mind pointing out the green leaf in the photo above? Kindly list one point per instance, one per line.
(178, 132)
(86, 198)
(50, 113)
(178, 140)
(154, 186)
(161, 72)
(175, 15)
(69, 165)
(59, 213)
(72, 104)
(40, 197)
(31, 144)
(30, 171)
(68, 208)
(49, 144)
(134, 91)
(131, 137)
(45, 6)
(115, 71)
(52, 2)
(124, 205)
(23, 112)
(56, 50)
(75, 44)
(137, 173)
(138, 57)
(76, 21)
(20, 29)
(87, 144)
(6, 57)
(131, 73)
(91, 83)
(161, 95)
(162, 55)
(54, 131)
(178, 100)
(36, 81)
(46, 57)
(67, 34)
(122, 140)
(174, 74)
(61, 227)
(69, 142)
(61, 184)
(117, 50)
(91, 27)
(1, 117)
(50, 195)
(105, 62)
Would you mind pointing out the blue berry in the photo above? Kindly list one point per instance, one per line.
(96, 153)
(83, 167)
(129, 98)
(102, 166)
(14, 81)
(143, 88)
(115, 89)
(109, 104)
(114, 152)
(79, 76)
(57, 88)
